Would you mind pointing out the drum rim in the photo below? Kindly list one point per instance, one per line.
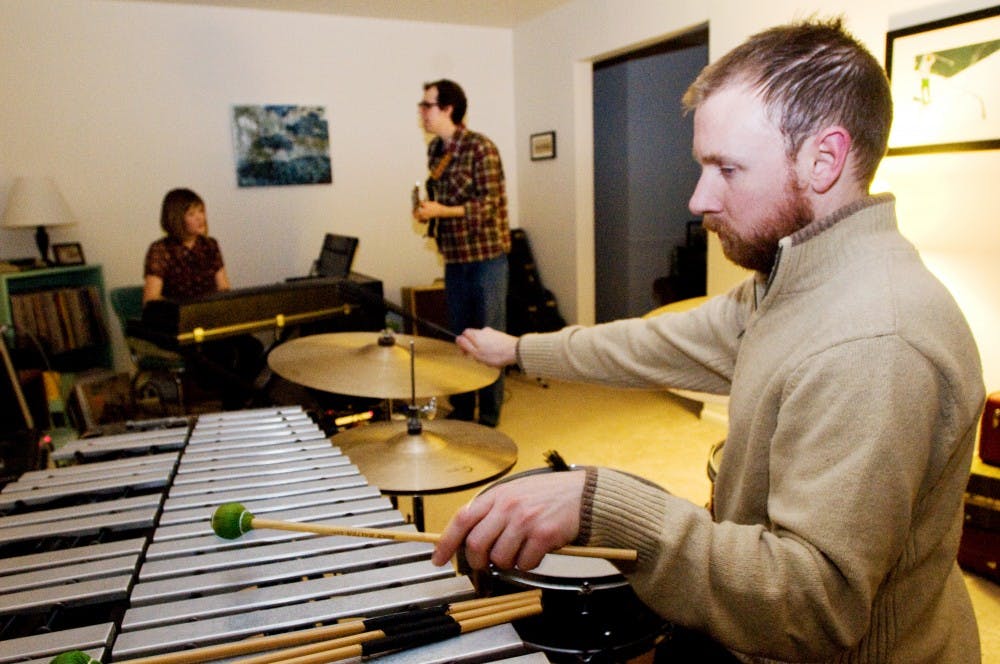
(580, 584)
(633, 648)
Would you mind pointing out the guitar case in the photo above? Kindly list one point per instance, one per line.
(530, 306)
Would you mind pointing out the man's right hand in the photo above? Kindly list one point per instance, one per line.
(489, 346)
(515, 523)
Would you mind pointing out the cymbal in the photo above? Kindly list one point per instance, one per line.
(356, 363)
(445, 455)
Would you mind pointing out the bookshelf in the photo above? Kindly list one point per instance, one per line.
(61, 307)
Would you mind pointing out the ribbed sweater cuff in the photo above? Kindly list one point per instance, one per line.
(622, 510)
(536, 352)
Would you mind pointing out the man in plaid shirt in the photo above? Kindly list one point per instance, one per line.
(467, 215)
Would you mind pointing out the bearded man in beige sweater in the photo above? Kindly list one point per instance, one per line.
(854, 381)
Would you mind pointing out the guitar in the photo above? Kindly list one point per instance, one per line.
(415, 199)
(433, 179)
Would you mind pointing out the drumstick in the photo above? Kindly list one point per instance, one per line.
(348, 627)
(397, 630)
(231, 520)
(421, 636)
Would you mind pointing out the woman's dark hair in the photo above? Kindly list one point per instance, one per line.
(175, 205)
(451, 94)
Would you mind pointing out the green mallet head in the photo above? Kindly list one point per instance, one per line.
(229, 521)
(74, 657)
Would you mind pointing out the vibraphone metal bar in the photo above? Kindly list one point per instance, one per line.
(140, 442)
(148, 572)
(72, 539)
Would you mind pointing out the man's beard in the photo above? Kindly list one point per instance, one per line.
(758, 253)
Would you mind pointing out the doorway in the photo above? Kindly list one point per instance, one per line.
(644, 175)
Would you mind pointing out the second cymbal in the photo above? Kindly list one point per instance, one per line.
(364, 364)
(444, 455)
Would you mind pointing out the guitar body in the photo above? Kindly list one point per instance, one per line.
(432, 196)
(433, 180)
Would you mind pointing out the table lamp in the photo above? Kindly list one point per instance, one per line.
(35, 202)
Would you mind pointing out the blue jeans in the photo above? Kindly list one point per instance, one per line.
(476, 296)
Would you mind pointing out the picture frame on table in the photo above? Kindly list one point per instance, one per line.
(943, 77)
(543, 145)
(67, 253)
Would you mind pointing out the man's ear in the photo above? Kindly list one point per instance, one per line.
(826, 158)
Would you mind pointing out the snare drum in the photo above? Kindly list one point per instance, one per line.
(589, 611)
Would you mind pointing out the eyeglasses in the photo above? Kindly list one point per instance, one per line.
(424, 105)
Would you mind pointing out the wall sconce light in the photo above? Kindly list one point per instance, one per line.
(35, 202)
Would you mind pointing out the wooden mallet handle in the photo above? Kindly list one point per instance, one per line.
(608, 553)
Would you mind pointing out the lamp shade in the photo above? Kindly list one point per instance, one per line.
(34, 202)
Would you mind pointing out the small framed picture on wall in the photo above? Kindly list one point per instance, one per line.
(543, 146)
(944, 84)
(67, 253)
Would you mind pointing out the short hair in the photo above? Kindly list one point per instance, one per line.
(810, 74)
(451, 94)
(175, 205)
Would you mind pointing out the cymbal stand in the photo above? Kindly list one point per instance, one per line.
(415, 428)
(413, 424)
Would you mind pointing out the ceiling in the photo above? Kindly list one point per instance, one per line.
(487, 13)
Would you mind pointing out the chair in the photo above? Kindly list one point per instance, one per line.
(336, 257)
(159, 372)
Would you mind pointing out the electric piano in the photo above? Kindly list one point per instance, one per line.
(352, 303)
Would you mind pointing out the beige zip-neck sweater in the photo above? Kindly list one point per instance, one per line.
(855, 389)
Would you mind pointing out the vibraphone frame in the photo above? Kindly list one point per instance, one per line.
(121, 542)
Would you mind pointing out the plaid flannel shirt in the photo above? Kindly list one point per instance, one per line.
(475, 180)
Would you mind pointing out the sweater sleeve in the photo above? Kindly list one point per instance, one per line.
(845, 481)
(693, 350)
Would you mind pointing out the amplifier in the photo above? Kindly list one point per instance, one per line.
(979, 550)
(425, 303)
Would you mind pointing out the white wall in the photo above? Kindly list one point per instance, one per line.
(120, 102)
(947, 205)
(553, 57)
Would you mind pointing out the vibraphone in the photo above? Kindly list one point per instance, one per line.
(115, 555)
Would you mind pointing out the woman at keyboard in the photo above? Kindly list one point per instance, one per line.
(187, 263)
